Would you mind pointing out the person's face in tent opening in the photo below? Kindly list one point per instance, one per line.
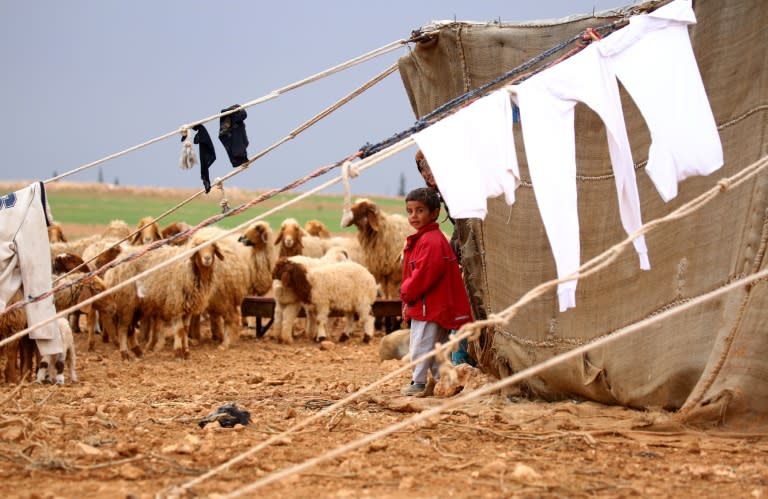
(426, 173)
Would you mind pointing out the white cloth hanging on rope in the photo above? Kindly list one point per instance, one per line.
(25, 261)
(547, 101)
(472, 155)
(654, 60)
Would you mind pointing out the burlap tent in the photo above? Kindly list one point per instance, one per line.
(708, 363)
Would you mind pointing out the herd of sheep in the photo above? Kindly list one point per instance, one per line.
(302, 267)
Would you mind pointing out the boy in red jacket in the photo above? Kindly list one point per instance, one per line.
(432, 290)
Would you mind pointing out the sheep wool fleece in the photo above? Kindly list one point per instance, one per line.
(25, 260)
(432, 288)
(547, 101)
(668, 92)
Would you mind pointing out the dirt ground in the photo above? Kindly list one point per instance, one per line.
(130, 429)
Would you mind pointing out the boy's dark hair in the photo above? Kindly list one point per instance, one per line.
(426, 195)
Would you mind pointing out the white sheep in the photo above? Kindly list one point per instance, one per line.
(287, 304)
(294, 240)
(382, 237)
(349, 244)
(45, 369)
(344, 286)
(170, 296)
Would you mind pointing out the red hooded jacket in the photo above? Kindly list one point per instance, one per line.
(432, 288)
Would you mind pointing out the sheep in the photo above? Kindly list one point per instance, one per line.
(123, 318)
(174, 228)
(396, 345)
(317, 228)
(344, 286)
(287, 304)
(11, 323)
(173, 294)
(349, 244)
(69, 356)
(248, 270)
(81, 291)
(16, 320)
(56, 234)
(150, 232)
(294, 240)
(382, 237)
(115, 231)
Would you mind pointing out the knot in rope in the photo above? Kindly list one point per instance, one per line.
(224, 203)
(724, 184)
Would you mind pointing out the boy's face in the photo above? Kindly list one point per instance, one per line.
(419, 214)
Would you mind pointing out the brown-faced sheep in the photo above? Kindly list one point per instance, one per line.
(174, 228)
(81, 291)
(148, 232)
(287, 304)
(382, 237)
(181, 289)
(317, 228)
(56, 234)
(345, 286)
(294, 240)
(246, 269)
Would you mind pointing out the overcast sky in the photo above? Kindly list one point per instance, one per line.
(82, 79)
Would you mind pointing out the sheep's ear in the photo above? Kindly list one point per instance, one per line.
(265, 237)
(373, 219)
(136, 239)
(217, 252)
(279, 237)
(156, 230)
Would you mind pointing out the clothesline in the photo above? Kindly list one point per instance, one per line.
(271, 95)
(219, 182)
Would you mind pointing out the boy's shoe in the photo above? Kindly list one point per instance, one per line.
(429, 389)
(414, 389)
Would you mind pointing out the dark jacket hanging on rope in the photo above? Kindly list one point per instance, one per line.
(207, 154)
(232, 135)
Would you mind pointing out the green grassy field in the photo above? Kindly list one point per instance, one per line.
(98, 205)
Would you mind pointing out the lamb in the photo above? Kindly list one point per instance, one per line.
(343, 286)
(47, 363)
(382, 237)
(287, 304)
(317, 228)
(173, 294)
(150, 232)
(294, 240)
(248, 270)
